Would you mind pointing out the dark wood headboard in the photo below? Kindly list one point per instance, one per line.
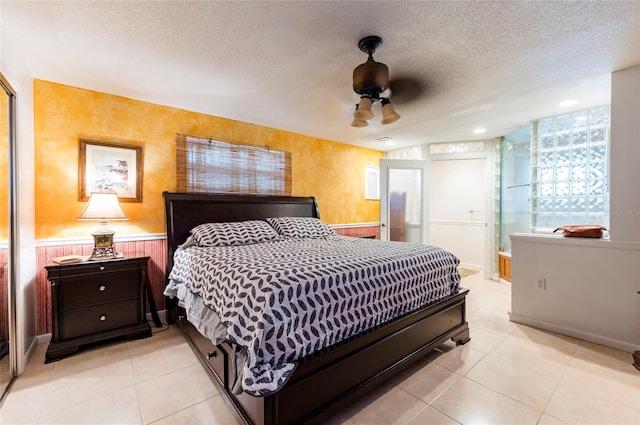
(184, 211)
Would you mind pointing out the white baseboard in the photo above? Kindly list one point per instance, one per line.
(29, 351)
(575, 333)
(471, 266)
(43, 339)
(504, 282)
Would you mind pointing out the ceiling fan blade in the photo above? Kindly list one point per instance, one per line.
(405, 89)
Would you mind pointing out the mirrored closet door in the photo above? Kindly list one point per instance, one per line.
(7, 294)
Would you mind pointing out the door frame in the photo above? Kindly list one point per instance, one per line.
(404, 164)
(489, 156)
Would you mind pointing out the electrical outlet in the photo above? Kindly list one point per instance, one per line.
(541, 283)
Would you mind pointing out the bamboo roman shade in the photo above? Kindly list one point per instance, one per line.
(209, 165)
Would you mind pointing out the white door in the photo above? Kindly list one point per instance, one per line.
(403, 190)
(459, 208)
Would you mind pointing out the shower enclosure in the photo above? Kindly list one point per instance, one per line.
(515, 192)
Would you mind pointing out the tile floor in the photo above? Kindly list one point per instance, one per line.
(507, 374)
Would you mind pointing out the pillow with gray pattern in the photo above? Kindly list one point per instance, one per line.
(301, 227)
(233, 233)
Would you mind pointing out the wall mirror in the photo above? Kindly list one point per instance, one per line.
(7, 288)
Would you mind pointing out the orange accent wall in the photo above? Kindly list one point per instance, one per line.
(333, 172)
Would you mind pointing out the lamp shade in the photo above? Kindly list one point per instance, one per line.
(389, 114)
(103, 206)
(359, 123)
(363, 111)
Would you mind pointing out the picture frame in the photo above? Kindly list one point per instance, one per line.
(107, 166)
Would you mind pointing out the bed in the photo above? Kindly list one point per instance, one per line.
(322, 379)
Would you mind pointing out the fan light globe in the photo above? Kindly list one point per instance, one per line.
(363, 111)
(389, 114)
(359, 123)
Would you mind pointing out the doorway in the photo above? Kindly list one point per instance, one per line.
(403, 190)
(459, 210)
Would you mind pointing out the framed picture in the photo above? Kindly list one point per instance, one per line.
(110, 166)
(372, 183)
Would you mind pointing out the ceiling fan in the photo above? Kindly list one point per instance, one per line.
(371, 82)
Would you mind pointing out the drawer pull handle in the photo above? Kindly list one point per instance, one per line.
(102, 288)
(101, 267)
(103, 317)
(212, 354)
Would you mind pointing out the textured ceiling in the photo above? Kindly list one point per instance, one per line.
(288, 65)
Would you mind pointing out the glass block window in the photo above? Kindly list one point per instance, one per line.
(455, 147)
(569, 169)
(412, 152)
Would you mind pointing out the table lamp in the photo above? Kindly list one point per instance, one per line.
(103, 206)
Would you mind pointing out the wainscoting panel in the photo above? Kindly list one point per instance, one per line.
(359, 232)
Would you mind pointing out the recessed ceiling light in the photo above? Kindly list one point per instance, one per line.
(479, 130)
(569, 102)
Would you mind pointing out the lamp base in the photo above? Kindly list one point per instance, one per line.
(103, 245)
(104, 253)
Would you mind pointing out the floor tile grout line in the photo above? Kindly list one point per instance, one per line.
(555, 390)
(527, 367)
(200, 367)
(506, 394)
(57, 365)
(41, 417)
(184, 408)
(439, 411)
(426, 405)
(582, 342)
(163, 374)
(135, 386)
(503, 394)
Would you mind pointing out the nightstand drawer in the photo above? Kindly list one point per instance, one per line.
(99, 288)
(89, 320)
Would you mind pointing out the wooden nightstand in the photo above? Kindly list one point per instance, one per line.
(94, 301)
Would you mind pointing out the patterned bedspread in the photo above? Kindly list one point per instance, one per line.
(282, 300)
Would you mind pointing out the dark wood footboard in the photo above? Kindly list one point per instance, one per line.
(326, 381)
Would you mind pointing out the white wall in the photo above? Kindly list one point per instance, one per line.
(590, 288)
(591, 285)
(16, 73)
(624, 155)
